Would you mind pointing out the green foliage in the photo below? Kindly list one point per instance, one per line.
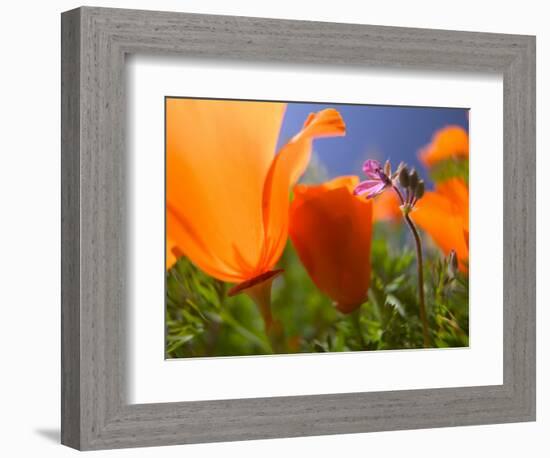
(450, 168)
(201, 320)
(392, 311)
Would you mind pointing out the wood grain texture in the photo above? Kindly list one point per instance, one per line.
(70, 229)
(95, 42)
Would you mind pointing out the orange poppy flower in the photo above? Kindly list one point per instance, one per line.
(451, 142)
(331, 230)
(444, 215)
(227, 193)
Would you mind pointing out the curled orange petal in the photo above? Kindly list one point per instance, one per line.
(289, 164)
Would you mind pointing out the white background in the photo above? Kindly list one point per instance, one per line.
(29, 230)
(150, 79)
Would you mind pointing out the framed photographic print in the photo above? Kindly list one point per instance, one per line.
(286, 228)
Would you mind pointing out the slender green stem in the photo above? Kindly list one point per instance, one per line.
(421, 302)
(356, 318)
(261, 295)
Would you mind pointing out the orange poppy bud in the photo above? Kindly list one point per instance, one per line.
(331, 230)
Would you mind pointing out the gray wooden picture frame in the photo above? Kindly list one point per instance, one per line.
(95, 412)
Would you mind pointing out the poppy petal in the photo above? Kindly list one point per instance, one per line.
(216, 149)
(197, 249)
(331, 230)
(443, 214)
(451, 142)
(289, 164)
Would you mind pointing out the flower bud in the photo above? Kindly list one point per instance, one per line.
(398, 170)
(420, 188)
(452, 266)
(413, 180)
(404, 177)
(387, 168)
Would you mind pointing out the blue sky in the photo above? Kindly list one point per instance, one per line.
(377, 132)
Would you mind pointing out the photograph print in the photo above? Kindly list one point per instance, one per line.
(296, 227)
